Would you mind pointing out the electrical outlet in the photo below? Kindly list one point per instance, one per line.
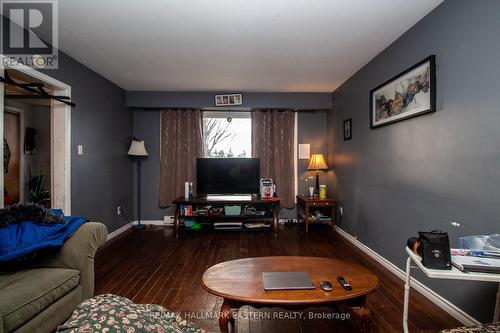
(341, 210)
(119, 210)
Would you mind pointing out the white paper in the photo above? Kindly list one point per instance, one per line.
(304, 151)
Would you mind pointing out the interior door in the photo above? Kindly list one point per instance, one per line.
(12, 149)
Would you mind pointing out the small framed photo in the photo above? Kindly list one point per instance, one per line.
(347, 129)
(228, 100)
(218, 100)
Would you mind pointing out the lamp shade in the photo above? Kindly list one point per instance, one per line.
(137, 148)
(317, 162)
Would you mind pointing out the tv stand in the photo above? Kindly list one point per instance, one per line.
(271, 208)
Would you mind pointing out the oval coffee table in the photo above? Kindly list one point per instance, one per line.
(239, 282)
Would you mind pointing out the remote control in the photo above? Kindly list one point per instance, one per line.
(344, 283)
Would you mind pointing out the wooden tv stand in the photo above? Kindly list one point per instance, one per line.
(270, 205)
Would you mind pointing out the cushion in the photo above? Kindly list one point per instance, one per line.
(485, 328)
(26, 293)
(111, 313)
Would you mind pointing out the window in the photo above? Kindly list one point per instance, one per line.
(227, 134)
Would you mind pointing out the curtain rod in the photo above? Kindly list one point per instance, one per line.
(226, 110)
(35, 88)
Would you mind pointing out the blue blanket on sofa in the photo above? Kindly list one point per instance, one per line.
(18, 240)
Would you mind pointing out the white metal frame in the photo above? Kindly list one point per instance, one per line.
(295, 155)
(60, 137)
(453, 274)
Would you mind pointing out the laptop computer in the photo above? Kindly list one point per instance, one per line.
(287, 281)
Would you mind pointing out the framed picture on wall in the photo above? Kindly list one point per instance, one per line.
(347, 129)
(228, 100)
(408, 94)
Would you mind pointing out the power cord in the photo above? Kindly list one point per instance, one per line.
(125, 218)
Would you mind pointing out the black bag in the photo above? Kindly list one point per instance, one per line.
(435, 249)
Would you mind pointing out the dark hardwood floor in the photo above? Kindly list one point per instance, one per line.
(155, 266)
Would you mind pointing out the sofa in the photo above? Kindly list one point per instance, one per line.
(43, 293)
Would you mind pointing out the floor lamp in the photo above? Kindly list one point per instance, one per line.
(138, 152)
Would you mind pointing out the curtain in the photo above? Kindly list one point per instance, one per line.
(181, 143)
(273, 143)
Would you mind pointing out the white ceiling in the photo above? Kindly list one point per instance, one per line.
(232, 45)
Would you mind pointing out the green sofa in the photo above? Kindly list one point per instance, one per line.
(42, 296)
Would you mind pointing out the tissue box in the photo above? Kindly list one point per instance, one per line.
(232, 210)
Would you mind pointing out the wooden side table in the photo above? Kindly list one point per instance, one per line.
(305, 204)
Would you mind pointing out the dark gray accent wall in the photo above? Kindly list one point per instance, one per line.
(101, 178)
(311, 129)
(160, 99)
(423, 173)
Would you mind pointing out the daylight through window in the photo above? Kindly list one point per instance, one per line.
(227, 134)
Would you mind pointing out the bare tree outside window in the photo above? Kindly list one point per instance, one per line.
(223, 138)
(215, 132)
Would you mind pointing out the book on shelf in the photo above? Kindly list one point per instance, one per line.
(186, 210)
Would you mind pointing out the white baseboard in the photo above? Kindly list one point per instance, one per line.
(152, 222)
(118, 231)
(129, 225)
(434, 297)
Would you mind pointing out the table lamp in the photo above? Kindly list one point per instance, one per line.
(138, 152)
(317, 162)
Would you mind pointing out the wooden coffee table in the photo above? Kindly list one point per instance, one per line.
(239, 282)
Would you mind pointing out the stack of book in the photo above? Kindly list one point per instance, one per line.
(476, 261)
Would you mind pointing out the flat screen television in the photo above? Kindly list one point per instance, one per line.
(227, 176)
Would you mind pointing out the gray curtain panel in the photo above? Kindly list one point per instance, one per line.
(181, 143)
(272, 142)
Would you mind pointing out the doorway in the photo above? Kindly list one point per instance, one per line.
(11, 158)
(57, 176)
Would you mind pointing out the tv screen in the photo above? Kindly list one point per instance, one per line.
(227, 176)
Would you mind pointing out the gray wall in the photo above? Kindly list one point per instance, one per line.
(311, 129)
(422, 173)
(41, 122)
(101, 178)
(160, 99)
(147, 128)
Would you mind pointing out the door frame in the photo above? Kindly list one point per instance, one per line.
(60, 141)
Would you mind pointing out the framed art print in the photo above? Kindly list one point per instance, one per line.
(347, 129)
(408, 94)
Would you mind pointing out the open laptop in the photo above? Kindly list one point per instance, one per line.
(286, 281)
